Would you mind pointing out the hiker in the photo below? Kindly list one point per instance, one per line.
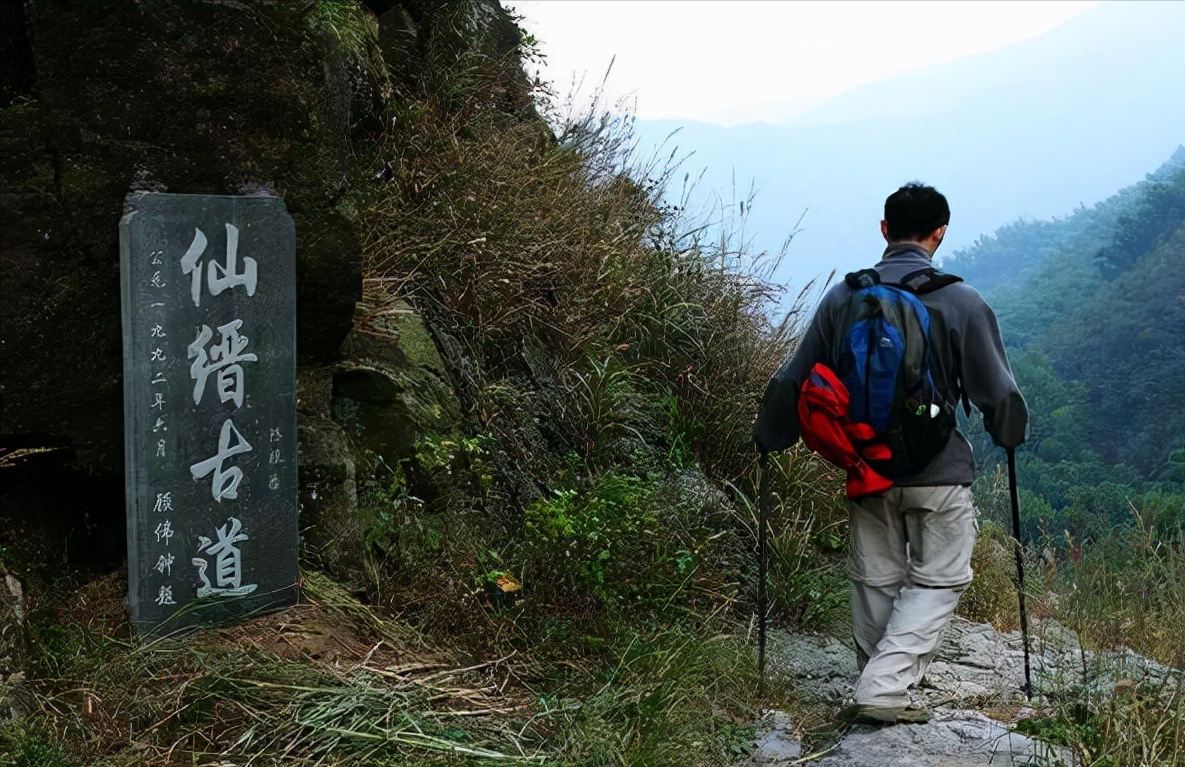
(910, 544)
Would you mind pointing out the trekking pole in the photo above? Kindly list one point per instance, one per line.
(1020, 569)
(762, 513)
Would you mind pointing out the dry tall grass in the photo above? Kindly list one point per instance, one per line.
(501, 232)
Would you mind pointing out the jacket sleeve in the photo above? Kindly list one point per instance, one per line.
(987, 378)
(776, 427)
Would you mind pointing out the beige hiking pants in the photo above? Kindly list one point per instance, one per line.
(910, 560)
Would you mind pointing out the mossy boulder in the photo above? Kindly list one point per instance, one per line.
(392, 390)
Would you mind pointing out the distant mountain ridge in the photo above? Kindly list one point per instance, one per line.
(1032, 130)
(1018, 250)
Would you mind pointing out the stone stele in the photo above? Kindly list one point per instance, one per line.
(209, 317)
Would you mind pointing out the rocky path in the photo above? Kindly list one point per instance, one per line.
(976, 669)
(953, 738)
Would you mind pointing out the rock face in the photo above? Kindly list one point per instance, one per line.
(821, 666)
(278, 97)
(975, 666)
(388, 392)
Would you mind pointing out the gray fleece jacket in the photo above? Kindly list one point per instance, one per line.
(967, 342)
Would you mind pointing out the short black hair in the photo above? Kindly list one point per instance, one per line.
(914, 211)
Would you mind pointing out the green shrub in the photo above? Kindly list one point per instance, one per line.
(1165, 510)
(600, 540)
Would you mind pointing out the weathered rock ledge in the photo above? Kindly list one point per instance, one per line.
(976, 669)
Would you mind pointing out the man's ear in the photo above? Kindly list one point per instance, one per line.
(885, 231)
(934, 239)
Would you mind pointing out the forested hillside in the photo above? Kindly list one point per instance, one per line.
(1091, 307)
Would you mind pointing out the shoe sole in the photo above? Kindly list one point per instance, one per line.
(877, 722)
(880, 717)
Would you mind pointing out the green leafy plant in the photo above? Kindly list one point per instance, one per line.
(598, 540)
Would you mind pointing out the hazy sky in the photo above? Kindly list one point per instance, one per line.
(741, 61)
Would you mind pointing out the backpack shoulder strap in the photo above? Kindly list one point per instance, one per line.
(865, 278)
(927, 280)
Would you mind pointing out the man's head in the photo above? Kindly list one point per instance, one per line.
(916, 213)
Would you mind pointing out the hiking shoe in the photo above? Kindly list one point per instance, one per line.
(859, 713)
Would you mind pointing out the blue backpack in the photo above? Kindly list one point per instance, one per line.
(894, 380)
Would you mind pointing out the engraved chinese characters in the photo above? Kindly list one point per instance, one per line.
(223, 359)
(209, 380)
(227, 563)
